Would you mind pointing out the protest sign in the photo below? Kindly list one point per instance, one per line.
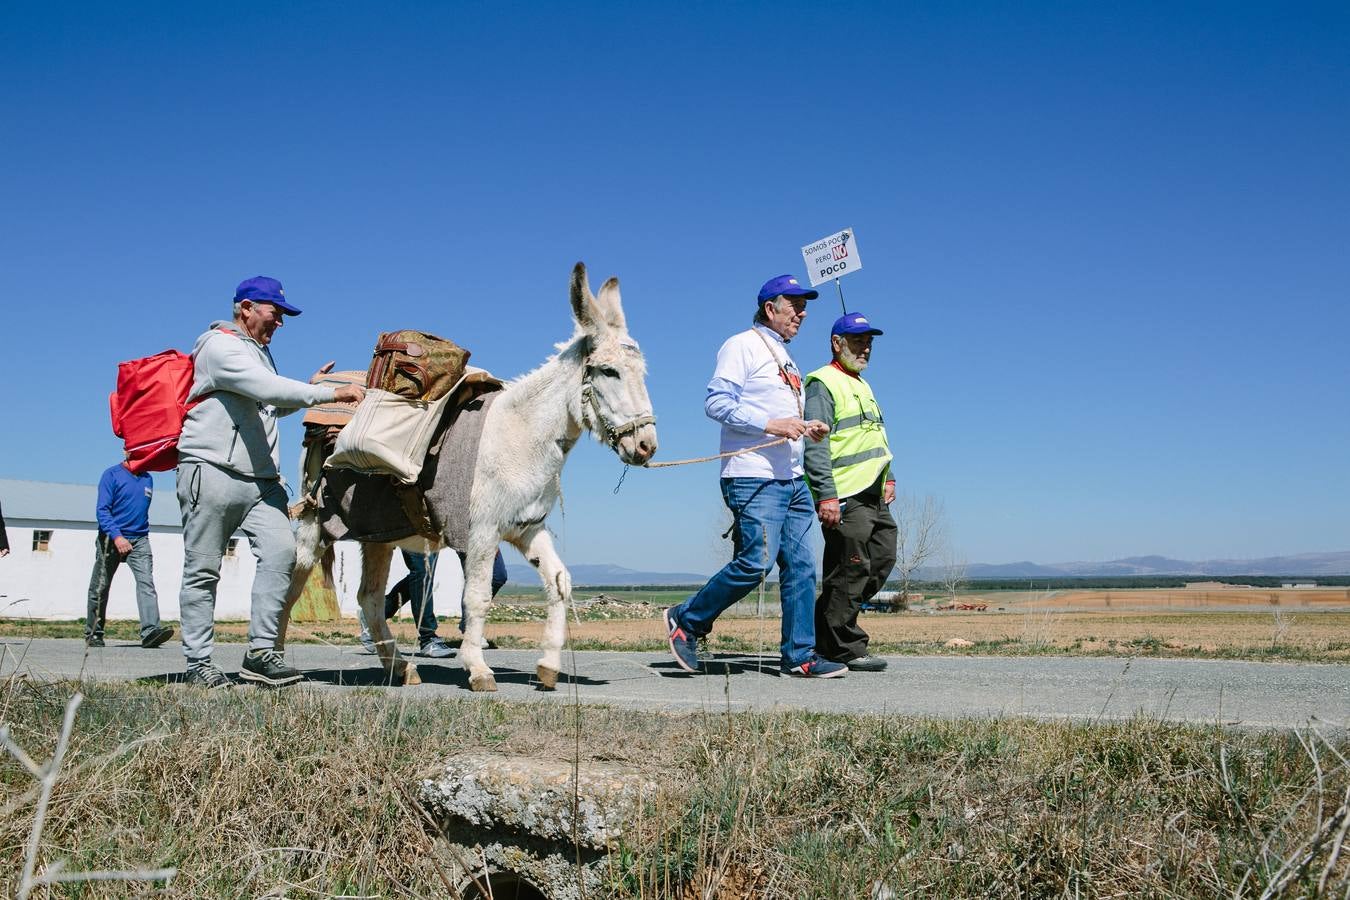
(831, 257)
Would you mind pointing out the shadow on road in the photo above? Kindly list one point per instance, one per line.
(456, 676)
(722, 664)
(375, 676)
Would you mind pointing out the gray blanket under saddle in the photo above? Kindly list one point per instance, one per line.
(376, 508)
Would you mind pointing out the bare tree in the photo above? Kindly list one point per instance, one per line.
(953, 571)
(919, 537)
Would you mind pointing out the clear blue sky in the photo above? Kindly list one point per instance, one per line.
(1109, 244)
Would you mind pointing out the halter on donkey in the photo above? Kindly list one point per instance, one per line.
(595, 382)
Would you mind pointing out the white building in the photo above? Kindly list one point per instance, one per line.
(51, 529)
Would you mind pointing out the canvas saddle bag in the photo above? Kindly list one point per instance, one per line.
(388, 435)
(391, 435)
(416, 365)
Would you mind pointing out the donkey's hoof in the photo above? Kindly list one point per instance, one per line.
(411, 676)
(484, 683)
(548, 678)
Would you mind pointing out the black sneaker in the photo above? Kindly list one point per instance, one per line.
(206, 675)
(866, 664)
(157, 637)
(93, 642)
(268, 667)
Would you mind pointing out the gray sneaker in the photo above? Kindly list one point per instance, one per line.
(208, 675)
(436, 648)
(268, 667)
(157, 637)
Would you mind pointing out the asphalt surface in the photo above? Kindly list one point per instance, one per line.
(1261, 695)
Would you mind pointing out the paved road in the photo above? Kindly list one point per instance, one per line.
(1207, 691)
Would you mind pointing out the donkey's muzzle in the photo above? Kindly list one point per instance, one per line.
(638, 446)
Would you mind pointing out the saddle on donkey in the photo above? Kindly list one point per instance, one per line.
(370, 469)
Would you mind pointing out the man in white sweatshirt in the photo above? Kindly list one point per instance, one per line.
(229, 479)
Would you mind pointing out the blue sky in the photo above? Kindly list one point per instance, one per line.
(1110, 245)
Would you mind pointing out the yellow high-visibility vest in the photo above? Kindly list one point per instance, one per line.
(859, 451)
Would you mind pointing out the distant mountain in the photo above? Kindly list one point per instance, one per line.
(1307, 564)
(1000, 570)
(1300, 564)
(584, 575)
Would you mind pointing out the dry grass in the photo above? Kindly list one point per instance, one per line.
(248, 793)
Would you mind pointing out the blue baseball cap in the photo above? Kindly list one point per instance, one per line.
(853, 323)
(264, 290)
(786, 285)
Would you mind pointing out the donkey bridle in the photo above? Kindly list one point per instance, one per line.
(608, 431)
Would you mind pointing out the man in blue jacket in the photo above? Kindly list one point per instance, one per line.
(123, 514)
(229, 479)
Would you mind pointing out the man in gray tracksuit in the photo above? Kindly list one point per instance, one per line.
(229, 479)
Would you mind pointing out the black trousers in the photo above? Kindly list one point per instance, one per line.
(859, 556)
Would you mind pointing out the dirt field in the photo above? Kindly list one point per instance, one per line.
(1230, 598)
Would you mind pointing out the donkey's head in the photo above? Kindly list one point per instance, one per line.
(614, 401)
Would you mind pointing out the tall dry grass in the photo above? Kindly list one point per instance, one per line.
(304, 793)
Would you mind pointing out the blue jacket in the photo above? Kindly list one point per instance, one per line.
(124, 503)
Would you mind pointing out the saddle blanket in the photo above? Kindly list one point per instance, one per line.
(335, 413)
(375, 508)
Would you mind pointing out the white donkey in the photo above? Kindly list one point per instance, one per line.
(595, 382)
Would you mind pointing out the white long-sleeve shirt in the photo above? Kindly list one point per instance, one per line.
(745, 392)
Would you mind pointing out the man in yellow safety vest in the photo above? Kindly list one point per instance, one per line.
(850, 480)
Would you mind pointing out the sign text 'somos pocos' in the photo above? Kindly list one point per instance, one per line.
(831, 257)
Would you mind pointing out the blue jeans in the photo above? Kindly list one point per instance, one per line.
(773, 522)
(415, 589)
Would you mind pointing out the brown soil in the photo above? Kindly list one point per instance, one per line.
(1235, 597)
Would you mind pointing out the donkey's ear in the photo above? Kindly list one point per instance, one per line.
(584, 306)
(610, 305)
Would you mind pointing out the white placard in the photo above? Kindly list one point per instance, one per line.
(831, 257)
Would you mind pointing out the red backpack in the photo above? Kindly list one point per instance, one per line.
(148, 409)
(149, 406)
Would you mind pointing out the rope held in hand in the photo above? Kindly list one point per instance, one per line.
(703, 459)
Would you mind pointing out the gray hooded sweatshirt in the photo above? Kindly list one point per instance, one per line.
(235, 424)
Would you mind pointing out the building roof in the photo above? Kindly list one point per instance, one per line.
(55, 501)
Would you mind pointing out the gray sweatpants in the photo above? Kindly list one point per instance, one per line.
(106, 561)
(216, 503)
